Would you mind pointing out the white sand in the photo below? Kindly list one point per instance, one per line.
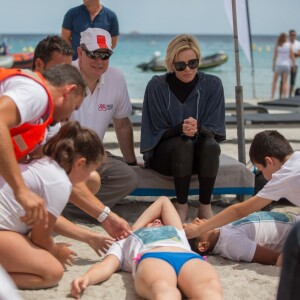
(239, 280)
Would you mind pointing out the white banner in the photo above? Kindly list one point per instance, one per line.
(242, 25)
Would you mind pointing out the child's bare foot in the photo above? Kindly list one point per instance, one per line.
(182, 210)
(205, 211)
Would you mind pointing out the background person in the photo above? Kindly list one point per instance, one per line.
(91, 14)
(35, 261)
(183, 120)
(50, 51)
(25, 100)
(159, 256)
(296, 50)
(283, 61)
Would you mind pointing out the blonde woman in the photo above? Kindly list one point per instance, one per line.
(183, 121)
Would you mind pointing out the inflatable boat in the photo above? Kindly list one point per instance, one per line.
(23, 60)
(211, 61)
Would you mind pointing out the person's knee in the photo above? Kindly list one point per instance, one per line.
(52, 275)
(208, 289)
(163, 287)
(210, 147)
(94, 182)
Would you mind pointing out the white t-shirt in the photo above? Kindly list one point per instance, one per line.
(29, 96)
(283, 55)
(145, 239)
(238, 240)
(285, 183)
(109, 100)
(45, 178)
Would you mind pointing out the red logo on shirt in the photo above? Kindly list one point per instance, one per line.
(105, 107)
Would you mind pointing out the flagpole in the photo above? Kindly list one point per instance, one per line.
(238, 92)
(251, 51)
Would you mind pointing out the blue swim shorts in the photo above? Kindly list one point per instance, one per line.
(175, 259)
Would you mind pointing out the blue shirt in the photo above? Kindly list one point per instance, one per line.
(77, 20)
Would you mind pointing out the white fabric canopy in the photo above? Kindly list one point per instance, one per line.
(242, 25)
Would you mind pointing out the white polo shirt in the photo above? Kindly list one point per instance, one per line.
(109, 100)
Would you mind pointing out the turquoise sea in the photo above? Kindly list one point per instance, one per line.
(133, 49)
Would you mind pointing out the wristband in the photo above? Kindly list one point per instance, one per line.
(104, 214)
(133, 163)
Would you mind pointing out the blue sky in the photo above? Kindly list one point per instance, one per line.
(153, 16)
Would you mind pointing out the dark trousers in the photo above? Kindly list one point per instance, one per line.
(289, 285)
(181, 157)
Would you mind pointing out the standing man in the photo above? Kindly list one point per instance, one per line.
(51, 51)
(107, 100)
(91, 14)
(296, 49)
(29, 102)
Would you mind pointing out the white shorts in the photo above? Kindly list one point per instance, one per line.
(282, 69)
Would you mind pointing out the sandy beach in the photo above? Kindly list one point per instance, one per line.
(240, 280)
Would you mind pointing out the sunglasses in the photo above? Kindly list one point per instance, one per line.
(181, 65)
(97, 54)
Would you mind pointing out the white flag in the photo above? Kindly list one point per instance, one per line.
(242, 25)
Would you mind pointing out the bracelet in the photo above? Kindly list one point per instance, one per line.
(104, 214)
(133, 163)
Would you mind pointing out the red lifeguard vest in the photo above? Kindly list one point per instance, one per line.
(27, 136)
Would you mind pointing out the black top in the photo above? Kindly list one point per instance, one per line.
(181, 89)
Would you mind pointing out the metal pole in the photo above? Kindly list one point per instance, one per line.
(238, 92)
(251, 51)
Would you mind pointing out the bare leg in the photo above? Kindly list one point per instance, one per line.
(94, 182)
(182, 210)
(284, 85)
(155, 279)
(205, 211)
(197, 279)
(29, 266)
(275, 77)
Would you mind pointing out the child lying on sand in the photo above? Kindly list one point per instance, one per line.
(160, 258)
(257, 238)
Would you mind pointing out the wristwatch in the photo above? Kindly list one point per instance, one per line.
(104, 214)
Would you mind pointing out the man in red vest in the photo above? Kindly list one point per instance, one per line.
(28, 103)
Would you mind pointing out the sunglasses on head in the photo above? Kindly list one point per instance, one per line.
(97, 54)
(181, 65)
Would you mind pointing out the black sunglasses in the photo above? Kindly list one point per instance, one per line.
(181, 65)
(96, 54)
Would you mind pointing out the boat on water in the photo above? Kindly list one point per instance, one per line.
(22, 60)
(6, 61)
(207, 62)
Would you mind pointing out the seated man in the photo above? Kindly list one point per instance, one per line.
(257, 238)
(106, 101)
(51, 51)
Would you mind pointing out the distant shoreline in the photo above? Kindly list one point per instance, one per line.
(140, 33)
